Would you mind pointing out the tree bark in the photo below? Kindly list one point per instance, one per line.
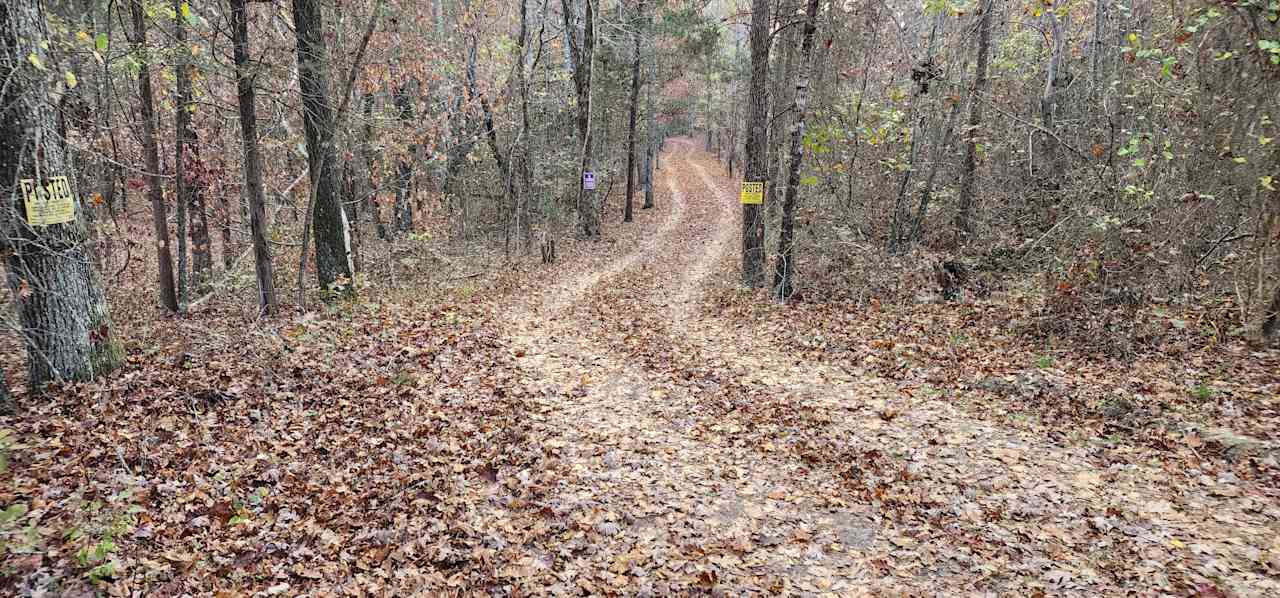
(404, 168)
(1271, 322)
(371, 169)
(631, 121)
(1052, 170)
(520, 148)
(784, 274)
(964, 210)
(757, 145)
(62, 310)
(651, 118)
(333, 258)
(263, 270)
(6, 399)
(581, 57)
(151, 152)
(190, 176)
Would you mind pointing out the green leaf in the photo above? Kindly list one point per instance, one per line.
(35, 61)
(13, 513)
(71, 79)
(100, 42)
(809, 180)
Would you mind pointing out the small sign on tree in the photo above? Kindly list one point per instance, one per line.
(752, 193)
(48, 202)
(589, 180)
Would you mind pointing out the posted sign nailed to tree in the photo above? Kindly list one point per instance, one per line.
(752, 193)
(589, 180)
(50, 203)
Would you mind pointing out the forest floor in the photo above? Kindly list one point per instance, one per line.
(628, 422)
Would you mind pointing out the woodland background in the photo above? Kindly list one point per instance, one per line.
(1089, 189)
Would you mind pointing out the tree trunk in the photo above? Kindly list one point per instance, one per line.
(780, 115)
(404, 167)
(964, 210)
(151, 151)
(784, 274)
(371, 169)
(631, 121)
(252, 161)
(1271, 322)
(333, 257)
(6, 399)
(926, 194)
(63, 313)
(189, 170)
(581, 56)
(651, 129)
(901, 220)
(520, 148)
(181, 205)
(757, 145)
(1052, 169)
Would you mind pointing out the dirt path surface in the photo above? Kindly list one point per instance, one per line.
(695, 456)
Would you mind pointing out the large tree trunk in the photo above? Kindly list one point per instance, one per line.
(757, 145)
(151, 152)
(333, 257)
(631, 121)
(964, 211)
(63, 314)
(252, 161)
(784, 275)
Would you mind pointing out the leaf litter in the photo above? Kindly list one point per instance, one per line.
(624, 423)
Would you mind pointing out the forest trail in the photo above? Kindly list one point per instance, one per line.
(697, 454)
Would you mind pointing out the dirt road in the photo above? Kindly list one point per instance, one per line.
(697, 456)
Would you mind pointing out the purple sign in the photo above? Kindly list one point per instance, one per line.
(589, 180)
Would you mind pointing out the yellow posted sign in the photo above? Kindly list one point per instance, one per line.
(752, 193)
(50, 203)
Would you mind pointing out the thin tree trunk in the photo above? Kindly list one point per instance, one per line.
(191, 176)
(926, 194)
(263, 270)
(757, 145)
(784, 275)
(181, 186)
(333, 258)
(151, 152)
(631, 121)
(651, 128)
(6, 399)
(1051, 179)
(371, 169)
(404, 167)
(520, 149)
(1271, 322)
(62, 310)
(968, 172)
(901, 220)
